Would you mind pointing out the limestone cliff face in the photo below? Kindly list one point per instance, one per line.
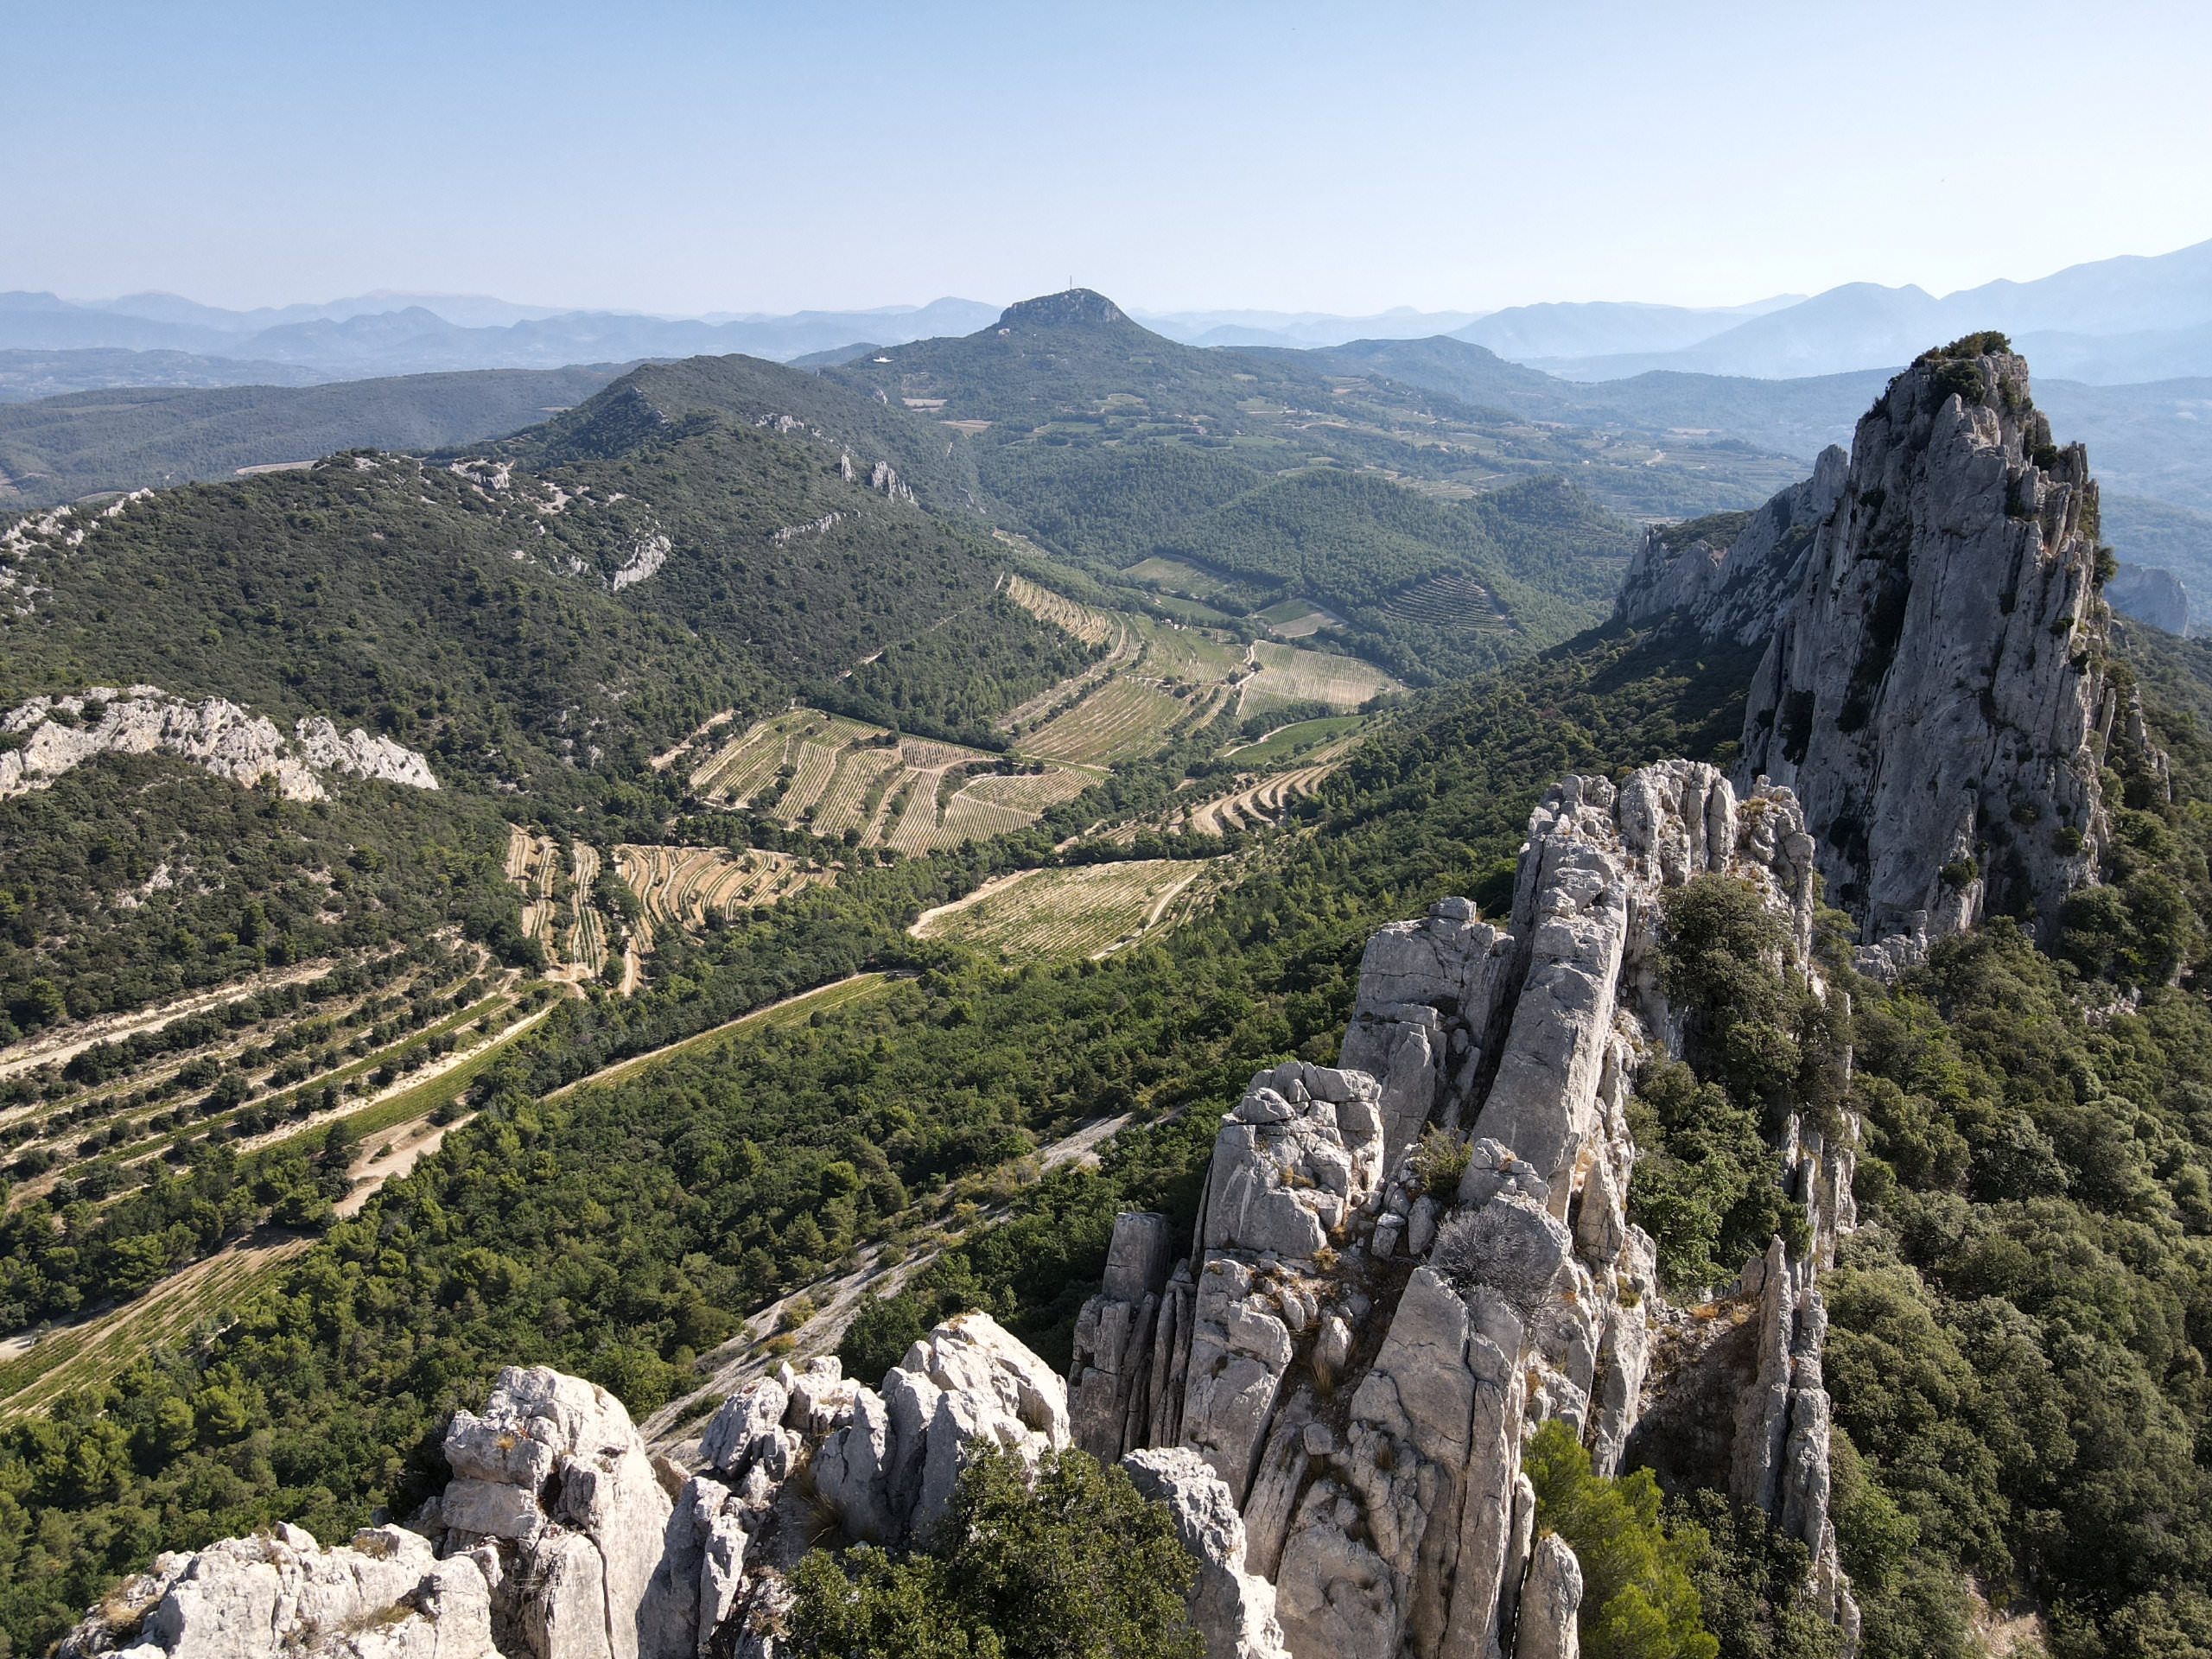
(1934, 691)
(1732, 574)
(1363, 1337)
(58, 733)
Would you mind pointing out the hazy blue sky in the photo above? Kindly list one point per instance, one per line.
(686, 158)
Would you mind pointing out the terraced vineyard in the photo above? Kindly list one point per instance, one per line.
(915, 794)
(586, 940)
(1255, 804)
(1126, 717)
(1093, 627)
(1042, 915)
(681, 886)
(1287, 674)
(800, 747)
(1453, 600)
(557, 910)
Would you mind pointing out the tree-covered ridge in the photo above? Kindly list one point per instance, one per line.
(64, 449)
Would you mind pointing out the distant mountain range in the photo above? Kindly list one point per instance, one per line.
(409, 334)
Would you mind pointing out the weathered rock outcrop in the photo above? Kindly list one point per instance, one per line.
(1376, 1320)
(62, 733)
(384, 1596)
(1935, 692)
(1233, 1608)
(555, 1499)
(1732, 573)
(1110, 1392)
(560, 1537)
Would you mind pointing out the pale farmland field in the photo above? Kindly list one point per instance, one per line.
(1125, 717)
(916, 794)
(1288, 675)
(1065, 914)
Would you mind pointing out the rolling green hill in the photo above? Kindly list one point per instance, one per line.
(66, 447)
(1425, 527)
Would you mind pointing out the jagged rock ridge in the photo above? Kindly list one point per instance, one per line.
(217, 734)
(1359, 1348)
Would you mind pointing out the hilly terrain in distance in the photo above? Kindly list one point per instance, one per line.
(394, 334)
(62, 449)
(1437, 537)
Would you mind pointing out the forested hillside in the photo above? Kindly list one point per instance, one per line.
(64, 448)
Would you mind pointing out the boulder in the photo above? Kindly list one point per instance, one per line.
(384, 1596)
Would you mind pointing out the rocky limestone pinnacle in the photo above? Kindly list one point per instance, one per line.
(1934, 691)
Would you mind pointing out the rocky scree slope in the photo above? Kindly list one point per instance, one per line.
(1331, 1385)
(1934, 685)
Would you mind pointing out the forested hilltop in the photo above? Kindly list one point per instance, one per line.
(813, 879)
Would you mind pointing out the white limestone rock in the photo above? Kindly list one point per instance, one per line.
(1231, 1607)
(1730, 575)
(1934, 691)
(581, 1507)
(215, 735)
(384, 1596)
(1108, 1382)
(1549, 1603)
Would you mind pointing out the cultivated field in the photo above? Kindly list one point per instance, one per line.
(1288, 675)
(915, 794)
(1256, 804)
(1065, 914)
(1122, 719)
(1449, 600)
(1093, 627)
(681, 886)
(557, 907)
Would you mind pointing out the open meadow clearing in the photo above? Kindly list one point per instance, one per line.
(1065, 914)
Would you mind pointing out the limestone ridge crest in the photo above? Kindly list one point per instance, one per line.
(1934, 685)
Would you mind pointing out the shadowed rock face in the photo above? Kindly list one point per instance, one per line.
(1934, 691)
(2151, 594)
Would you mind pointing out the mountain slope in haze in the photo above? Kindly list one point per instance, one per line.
(1112, 444)
(386, 336)
(62, 449)
(25, 375)
(1598, 328)
(2108, 320)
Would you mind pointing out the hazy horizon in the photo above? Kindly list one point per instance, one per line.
(685, 160)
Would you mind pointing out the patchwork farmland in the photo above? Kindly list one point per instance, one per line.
(838, 777)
